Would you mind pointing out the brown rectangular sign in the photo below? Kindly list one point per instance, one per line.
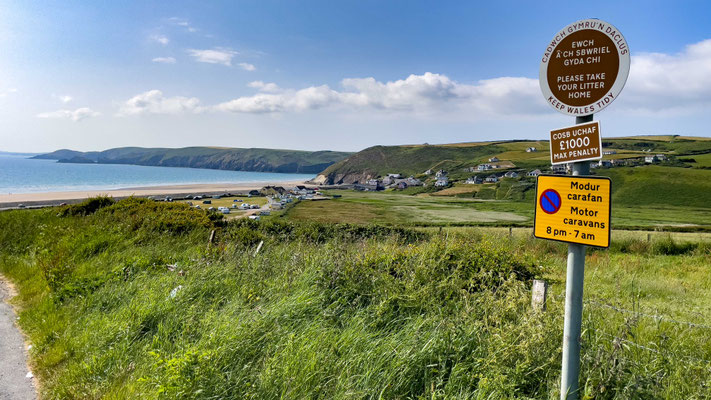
(576, 143)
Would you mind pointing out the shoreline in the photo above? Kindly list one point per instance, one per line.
(54, 198)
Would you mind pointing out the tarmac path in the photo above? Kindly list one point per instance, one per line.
(15, 383)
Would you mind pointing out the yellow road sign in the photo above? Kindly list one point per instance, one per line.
(573, 209)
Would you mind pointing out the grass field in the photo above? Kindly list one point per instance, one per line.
(127, 300)
(702, 160)
(395, 208)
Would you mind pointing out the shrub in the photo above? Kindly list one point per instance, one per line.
(86, 207)
(155, 217)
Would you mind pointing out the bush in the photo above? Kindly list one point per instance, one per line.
(158, 217)
(86, 207)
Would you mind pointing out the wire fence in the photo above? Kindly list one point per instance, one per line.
(618, 341)
(656, 317)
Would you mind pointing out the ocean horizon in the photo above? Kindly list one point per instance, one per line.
(20, 174)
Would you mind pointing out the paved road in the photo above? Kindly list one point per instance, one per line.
(14, 383)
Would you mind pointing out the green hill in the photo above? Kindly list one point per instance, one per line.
(458, 158)
(261, 160)
(660, 185)
(414, 160)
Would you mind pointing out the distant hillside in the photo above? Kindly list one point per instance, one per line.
(234, 159)
(408, 160)
(416, 159)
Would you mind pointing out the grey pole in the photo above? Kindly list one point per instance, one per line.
(573, 303)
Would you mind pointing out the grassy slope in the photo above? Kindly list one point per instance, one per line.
(338, 312)
(270, 160)
(410, 160)
(657, 185)
(415, 159)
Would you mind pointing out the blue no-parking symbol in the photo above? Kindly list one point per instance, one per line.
(550, 201)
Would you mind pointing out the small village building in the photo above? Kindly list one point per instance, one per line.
(428, 172)
(651, 159)
(608, 152)
(402, 185)
(483, 167)
(531, 150)
(661, 157)
(412, 181)
(442, 181)
(474, 180)
(511, 174)
(440, 173)
(558, 169)
(491, 179)
(604, 163)
(535, 172)
(494, 159)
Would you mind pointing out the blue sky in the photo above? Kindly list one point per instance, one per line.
(326, 74)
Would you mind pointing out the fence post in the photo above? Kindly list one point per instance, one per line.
(539, 293)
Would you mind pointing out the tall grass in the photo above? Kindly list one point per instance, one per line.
(130, 301)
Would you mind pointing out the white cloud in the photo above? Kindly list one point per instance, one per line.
(153, 102)
(213, 56)
(423, 94)
(657, 83)
(7, 92)
(247, 66)
(162, 39)
(164, 60)
(182, 23)
(63, 98)
(311, 98)
(677, 82)
(76, 115)
(268, 87)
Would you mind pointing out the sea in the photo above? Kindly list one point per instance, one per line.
(21, 174)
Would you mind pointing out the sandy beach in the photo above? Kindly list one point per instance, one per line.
(72, 196)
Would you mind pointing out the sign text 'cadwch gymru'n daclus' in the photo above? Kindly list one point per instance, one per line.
(573, 209)
(576, 143)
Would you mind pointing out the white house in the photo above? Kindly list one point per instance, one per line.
(440, 173)
(474, 180)
(530, 150)
(494, 159)
(558, 168)
(535, 172)
(511, 174)
(491, 179)
(412, 181)
(442, 181)
(651, 159)
(604, 163)
(483, 167)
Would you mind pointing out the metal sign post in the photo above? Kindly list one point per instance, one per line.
(573, 302)
(582, 71)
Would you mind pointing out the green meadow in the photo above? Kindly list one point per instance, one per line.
(129, 299)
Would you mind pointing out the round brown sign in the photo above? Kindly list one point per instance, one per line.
(584, 67)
